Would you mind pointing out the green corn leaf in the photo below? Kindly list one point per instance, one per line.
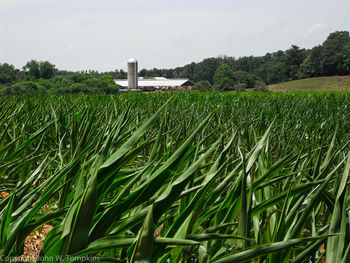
(145, 242)
(335, 244)
(263, 250)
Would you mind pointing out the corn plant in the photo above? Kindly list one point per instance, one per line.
(190, 177)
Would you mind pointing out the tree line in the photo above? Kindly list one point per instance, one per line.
(330, 58)
(43, 77)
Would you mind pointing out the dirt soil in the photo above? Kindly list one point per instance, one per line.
(34, 243)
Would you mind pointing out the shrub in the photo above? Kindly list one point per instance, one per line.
(240, 86)
(24, 87)
(104, 84)
(203, 85)
(224, 78)
(260, 86)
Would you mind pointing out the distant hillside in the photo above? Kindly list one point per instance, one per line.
(331, 58)
(337, 83)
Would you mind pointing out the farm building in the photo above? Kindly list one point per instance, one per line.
(156, 84)
(135, 83)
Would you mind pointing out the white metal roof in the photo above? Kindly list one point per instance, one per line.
(153, 82)
(132, 60)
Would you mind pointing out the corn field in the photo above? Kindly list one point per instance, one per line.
(184, 177)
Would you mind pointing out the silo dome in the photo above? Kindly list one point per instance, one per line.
(132, 60)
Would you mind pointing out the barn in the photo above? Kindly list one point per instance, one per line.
(158, 83)
(135, 83)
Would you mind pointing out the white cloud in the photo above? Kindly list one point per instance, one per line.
(95, 34)
(315, 29)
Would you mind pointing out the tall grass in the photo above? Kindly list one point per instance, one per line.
(188, 177)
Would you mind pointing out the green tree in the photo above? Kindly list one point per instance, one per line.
(332, 53)
(79, 88)
(78, 77)
(240, 86)
(39, 69)
(277, 73)
(249, 79)
(203, 85)
(206, 69)
(347, 58)
(143, 73)
(224, 79)
(311, 67)
(260, 86)
(8, 74)
(122, 74)
(104, 84)
(294, 57)
(24, 87)
(47, 70)
(32, 70)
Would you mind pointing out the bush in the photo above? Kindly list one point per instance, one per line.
(8, 74)
(240, 86)
(75, 83)
(103, 84)
(79, 88)
(203, 85)
(260, 86)
(24, 87)
(78, 77)
(224, 78)
(249, 79)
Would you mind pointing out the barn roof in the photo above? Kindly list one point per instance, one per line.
(156, 82)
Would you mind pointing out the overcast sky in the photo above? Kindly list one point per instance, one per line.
(103, 34)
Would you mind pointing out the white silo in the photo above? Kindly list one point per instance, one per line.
(132, 74)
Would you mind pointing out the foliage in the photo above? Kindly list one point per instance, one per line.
(47, 70)
(196, 177)
(240, 86)
(104, 84)
(8, 74)
(249, 79)
(346, 58)
(203, 85)
(332, 52)
(260, 86)
(224, 73)
(75, 83)
(39, 69)
(224, 79)
(329, 59)
(311, 67)
(23, 87)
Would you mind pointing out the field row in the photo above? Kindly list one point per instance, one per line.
(184, 177)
